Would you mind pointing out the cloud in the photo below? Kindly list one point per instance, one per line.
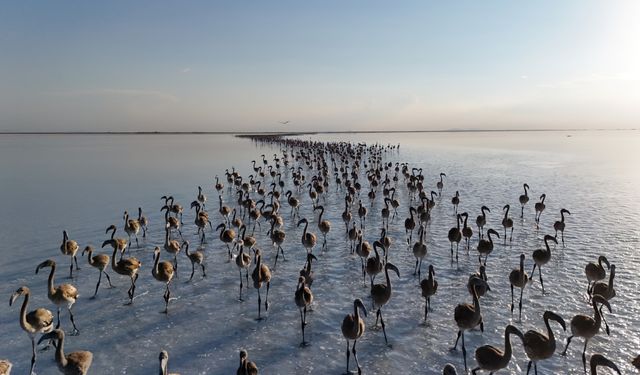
(154, 94)
(186, 70)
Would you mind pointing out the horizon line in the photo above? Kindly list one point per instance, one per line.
(303, 132)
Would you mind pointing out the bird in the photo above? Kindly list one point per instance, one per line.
(363, 249)
(478, 281)
(410, 225)
(69, 247)
(172, 247)
(163, 272)
(100, 262)
(61, 295)
(246, 366)
(127, 267)
(144, 222)
(587, 327)
(131, 226)
(196, 257)
(307, 272)
(308, 238)
(595, 272)
(323, 225)
(243, 261)
(467, 232)
(518, 278)
(485, 247)
(303, 298)
(227, 236)
(419, 252)
(523, 199)
(353, 327)
(223, 209)
(219, 185)
(440, 183)
(429, 287)
(119, 244)
(75, 363)
(559, 225)
(600, 360)
(481, 220)
(381, 293)
(284, 122)
(539, 207)
(455, 235)
(493, 359)
(374, 264)
(164, 363)
(539, 346)
(455, 201)
(170, 221)
(467, 316)
(507, 223)
(542, 257)
(5, 367)
(33, 322)
(201, 197)
(606, 289)
(277, 238)
(261, 275)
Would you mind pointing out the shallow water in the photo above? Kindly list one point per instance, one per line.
(84, 183)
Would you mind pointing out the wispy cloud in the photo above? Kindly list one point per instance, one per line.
(116, 92)
(185, 70)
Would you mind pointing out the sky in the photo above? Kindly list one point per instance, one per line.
(322, 65)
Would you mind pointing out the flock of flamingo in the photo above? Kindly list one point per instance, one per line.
(304, 173)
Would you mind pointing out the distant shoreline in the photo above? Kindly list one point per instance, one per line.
(289, 133)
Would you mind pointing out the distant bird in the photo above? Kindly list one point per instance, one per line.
(164, 363)
(127, 267)
(485, 247)
(595, 272)
(284, 122)
(518, 278)
(260, 275)
(559, 225)
(61, 295)
(303, 298)
(524, 199)
(131, 226)
(381, 293)
(246, 366)
(600, 360)
(542, 257)
(429, 287)
(69, 247)
(481, 221)
(352, 329)
(144, 222)
(243, 261)
(539, 207)
(100, 262)
(75, 363)
(606, 289)
(493, 359)
(507, 223)
(33, 322)
(163, 272)
(196, 257)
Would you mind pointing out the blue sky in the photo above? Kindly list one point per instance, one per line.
(334, 65)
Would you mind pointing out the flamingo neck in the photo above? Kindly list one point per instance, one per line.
(51, 276)
(60, 358)
(23, 313)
